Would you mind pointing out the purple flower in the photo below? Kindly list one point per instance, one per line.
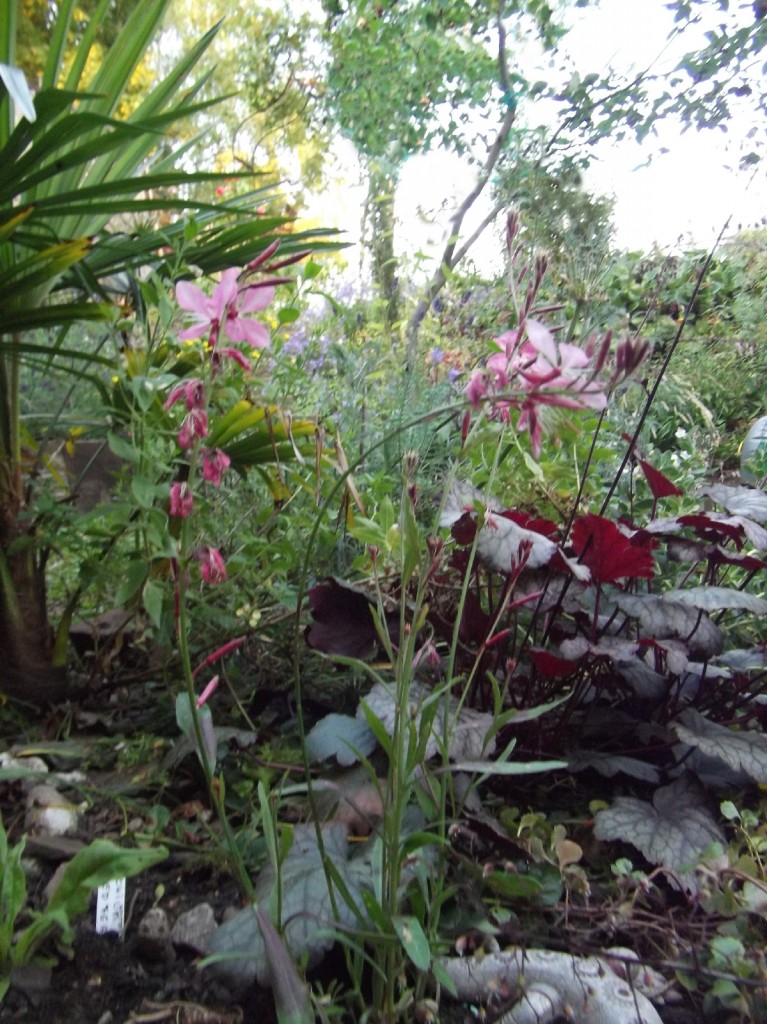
(214, 465)
(181, 500)
(212, 565)
(437, 355)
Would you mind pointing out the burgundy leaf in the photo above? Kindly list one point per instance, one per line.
(660, 485)
(749, 562)
(543, 526)
(343, 621)
(549, 664)
(464, 529)
(713, 530)
(475, 622)
(609, 554)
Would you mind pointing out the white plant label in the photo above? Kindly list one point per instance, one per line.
(110, 907)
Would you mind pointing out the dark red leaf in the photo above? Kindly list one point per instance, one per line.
(549, 664)
(543, 526)
(660, 485)
(343, 621)
(749, 562)
(475, 622)
(713, 529)
(464, 529)
(609, 554)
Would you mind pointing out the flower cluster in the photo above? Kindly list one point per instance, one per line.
(223, 319)
(541, 372)
(530, 370)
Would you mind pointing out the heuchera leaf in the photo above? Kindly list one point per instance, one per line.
(660, 485)
(609, 554)
(475, 621)
(343, 621)
(306, 905)
(662, 618)
(718, 556)
(713, 530)
(341, 737)
(672, 831)
(713, 599)
(739, 501)
(744, 751)
(550, 665)
(464, 529)
(467, 729)
(544, 526)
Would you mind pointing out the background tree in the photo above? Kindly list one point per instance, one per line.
(407, 77)
(267, 64)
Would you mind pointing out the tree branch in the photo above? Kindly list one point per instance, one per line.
(451, 255)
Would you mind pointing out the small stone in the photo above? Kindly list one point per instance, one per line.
(153, 936)
(192, 930)
(49, 813)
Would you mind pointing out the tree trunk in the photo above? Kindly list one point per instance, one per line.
(27, 671)
(382, 184)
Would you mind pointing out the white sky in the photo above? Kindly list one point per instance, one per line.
(683, 197)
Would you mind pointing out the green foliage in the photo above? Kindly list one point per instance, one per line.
(100, 862)
(68, 175)
(394, 68)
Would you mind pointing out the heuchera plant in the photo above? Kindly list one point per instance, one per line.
(643, 636)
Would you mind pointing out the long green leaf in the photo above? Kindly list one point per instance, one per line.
(130, 47)
(8, 16)
(58, 42)
(43, 317)
(43, 266)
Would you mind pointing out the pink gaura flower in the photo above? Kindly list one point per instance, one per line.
(195, 425)
(193, 393)
(181, 500)
(545, 373)
(547, 365)
(214, 465)
(226, 310)
(477, 388)
(212, 565)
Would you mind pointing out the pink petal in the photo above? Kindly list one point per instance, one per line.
(225, 292)
(543, 340)
(193, 299)
(476, 389)
(255, 298)
(572, 357)
(195, 331)
(507, 342)
(251, 331)
(209, 689)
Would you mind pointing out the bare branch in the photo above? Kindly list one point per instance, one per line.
(451, 255)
